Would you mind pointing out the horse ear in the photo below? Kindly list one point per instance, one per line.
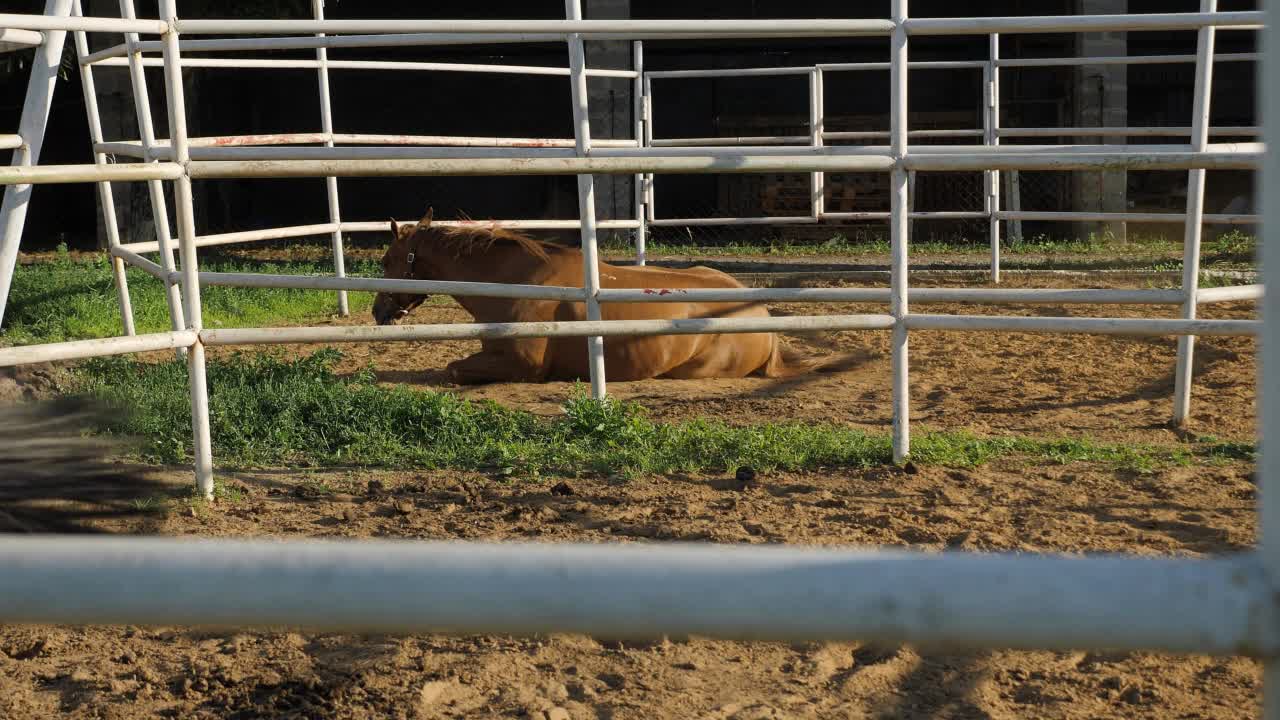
(426, 219)
(395, 230)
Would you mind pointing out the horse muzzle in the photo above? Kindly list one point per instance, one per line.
(387, 312)
(390, 318)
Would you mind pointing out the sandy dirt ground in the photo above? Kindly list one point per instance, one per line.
(1111, 389)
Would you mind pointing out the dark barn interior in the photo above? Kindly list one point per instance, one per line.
(268, 101)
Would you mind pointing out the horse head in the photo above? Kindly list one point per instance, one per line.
(400, 262)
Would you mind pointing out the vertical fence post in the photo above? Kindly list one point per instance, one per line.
(817, 125)
(586, 197)
(898, 228)
(176, 101)
(1013, 192)
(330, 183)
(155, 188)
(911, 203)
(35, 115)
(992, 128)
(637, 110)
(1268, 88)
(1195, 216)
(647, 107)
(105, 196)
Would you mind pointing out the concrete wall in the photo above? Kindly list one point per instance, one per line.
(610, 108)
(1102, 100)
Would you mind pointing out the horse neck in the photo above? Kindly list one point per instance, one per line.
(502, 263)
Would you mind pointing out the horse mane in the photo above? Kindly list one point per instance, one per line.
(471, 239)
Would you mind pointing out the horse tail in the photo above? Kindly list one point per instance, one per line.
(784, 362)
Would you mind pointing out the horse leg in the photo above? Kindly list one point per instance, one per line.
(495, 364)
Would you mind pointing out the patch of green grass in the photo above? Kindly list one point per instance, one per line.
(150, 503)
(1213, 451)
(1234, 247)
(191, 499)
(227, 493)
(198, 504)
(958, 449)
(72, 299)
(265, 410)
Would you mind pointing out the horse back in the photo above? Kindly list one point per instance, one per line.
(659, 278)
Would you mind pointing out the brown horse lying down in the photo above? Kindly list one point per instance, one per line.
(480, 254)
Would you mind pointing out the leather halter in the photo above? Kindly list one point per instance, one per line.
(411, 274)
(412, 258)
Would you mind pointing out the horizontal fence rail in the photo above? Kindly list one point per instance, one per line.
(79, 349)
(1099, 326)
(947, 600)
(1123, 132)
(209, 170)
(1229, 294)
(921, 295)
(568, 328)
(1243, 20)
(122, 172)
(1208, 218)
(691, 164)
(587, 29)
(141, 263)
(13, 39)
(1244, 160)
(391, 39)
(160, 148)
(1120, 60)
(413, 287)
(89, 24)
(383, 226)
(380, 65)
(364, 65)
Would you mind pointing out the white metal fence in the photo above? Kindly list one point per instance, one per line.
(331, 154)
(1224, 605)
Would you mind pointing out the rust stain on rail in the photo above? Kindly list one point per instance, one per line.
(249, 140)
